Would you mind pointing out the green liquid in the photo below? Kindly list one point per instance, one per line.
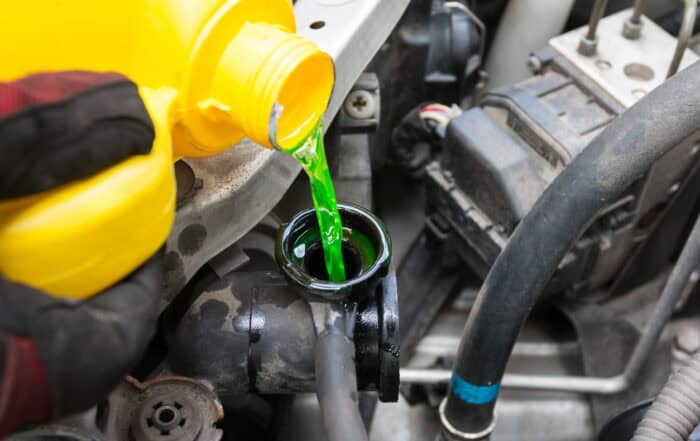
(365, 256)
(312, 156)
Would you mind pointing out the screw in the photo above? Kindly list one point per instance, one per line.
(360, 104)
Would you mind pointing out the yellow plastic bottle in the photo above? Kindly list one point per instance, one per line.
(210, 73)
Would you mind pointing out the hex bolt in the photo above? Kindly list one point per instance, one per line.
(360, 104)
(589, 44)
(632, 29)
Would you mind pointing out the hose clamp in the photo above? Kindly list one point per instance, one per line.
(458, 434)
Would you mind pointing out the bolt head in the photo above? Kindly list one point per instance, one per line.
(631, 30)
(360, 104)
(587, 47)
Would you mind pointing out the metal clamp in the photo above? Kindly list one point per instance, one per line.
(458, 434)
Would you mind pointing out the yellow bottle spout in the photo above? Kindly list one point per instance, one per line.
(293, 73)
(270, 85)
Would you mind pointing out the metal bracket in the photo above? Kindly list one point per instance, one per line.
(626, 69)
(352, 31)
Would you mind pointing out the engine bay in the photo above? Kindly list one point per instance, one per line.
(523, 183)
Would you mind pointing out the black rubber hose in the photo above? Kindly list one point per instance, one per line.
(676, 410)
(618, 157)
(336, 386)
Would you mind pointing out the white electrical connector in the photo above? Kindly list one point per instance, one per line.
(438, 116)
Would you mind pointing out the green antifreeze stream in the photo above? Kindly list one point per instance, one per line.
(312, 156)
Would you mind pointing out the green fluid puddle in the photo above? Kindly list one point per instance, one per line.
(311, 154)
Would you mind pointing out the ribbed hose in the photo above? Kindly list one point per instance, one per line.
(676, 411)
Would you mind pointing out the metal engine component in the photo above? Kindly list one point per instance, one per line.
(624, 68)
(500, 157)
(167, 408)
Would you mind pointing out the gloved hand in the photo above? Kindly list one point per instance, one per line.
(59, 357)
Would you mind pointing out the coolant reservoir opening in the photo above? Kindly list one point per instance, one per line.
(365, 248)
(315, 265)
(303, 97)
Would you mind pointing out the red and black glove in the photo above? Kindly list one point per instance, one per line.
(60, 357)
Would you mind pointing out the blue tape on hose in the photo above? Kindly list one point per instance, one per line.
(474, 394)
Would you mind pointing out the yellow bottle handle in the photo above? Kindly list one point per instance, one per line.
(227, 64)
(80, 238)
